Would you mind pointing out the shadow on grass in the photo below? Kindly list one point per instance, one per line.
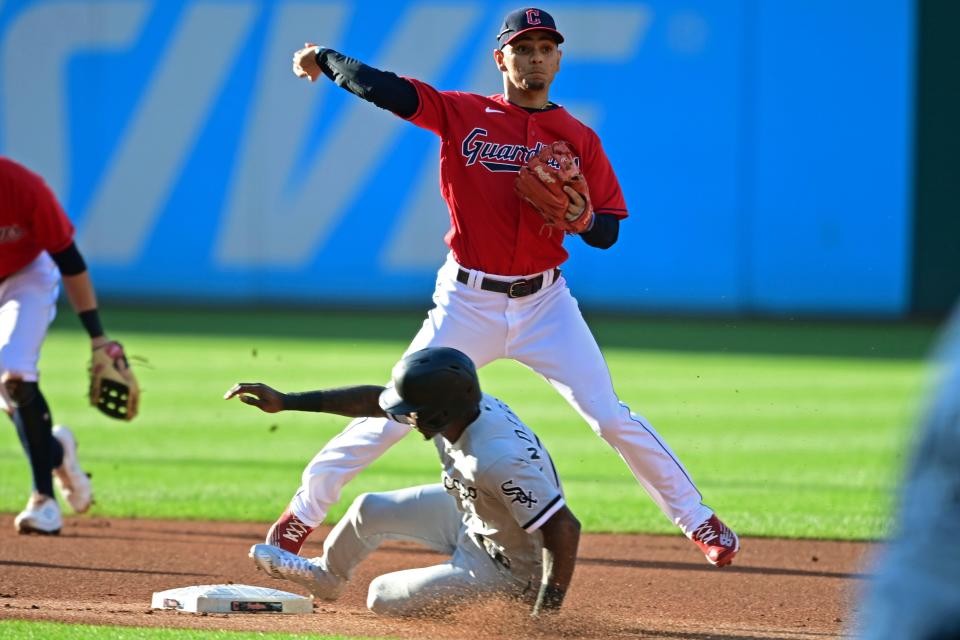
(857, 339)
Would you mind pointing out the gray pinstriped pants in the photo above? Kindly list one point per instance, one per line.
(426, 515)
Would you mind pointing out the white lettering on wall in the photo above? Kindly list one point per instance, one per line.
(268, 223)
(166, 123)
(34, 90)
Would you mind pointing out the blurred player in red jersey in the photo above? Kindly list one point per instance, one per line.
(500, 293)
(36, 248)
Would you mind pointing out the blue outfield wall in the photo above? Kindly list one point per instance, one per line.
(764, 146)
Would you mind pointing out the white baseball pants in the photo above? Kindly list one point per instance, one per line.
(544, 331)
(426, 515)
(28, 304)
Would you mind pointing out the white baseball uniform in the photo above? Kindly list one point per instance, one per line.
(544, 331)
(28, 304)
(525, 313)
(499, 486)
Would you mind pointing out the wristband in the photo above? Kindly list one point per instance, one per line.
(91, 322)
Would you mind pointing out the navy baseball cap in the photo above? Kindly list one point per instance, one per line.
(523, 20)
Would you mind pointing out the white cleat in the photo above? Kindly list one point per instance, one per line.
(41, 516)
(309, 574)
(73, 482)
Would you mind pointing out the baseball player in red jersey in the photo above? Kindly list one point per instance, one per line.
(500, 293)
(36, 248)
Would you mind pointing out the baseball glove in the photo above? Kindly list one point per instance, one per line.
(543, 182)
(113, 387)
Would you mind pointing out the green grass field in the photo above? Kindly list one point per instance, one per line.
(790, 429)
(23, 630)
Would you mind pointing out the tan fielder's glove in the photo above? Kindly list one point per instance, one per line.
(543, 182)
(113, 387)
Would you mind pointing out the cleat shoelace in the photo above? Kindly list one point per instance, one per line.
(296, 565)
(705, 533)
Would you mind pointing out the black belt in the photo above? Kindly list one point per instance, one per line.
(513, 288)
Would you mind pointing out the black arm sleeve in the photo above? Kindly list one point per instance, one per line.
(604, 232)
(384, 89)
(352, 402)
(69, 261)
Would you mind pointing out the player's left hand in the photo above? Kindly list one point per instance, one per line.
(305, 62)
(552, 184)
(257, 394)
(577, 204)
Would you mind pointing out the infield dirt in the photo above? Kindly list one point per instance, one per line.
(104, 571)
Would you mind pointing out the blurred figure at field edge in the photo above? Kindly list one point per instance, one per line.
(916, 592)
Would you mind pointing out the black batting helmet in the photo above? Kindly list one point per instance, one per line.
(438, 384)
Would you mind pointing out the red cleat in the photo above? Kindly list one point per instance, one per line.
(288, 533)
(717, 541)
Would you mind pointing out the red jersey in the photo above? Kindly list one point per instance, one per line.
(484, 142)
(31, 219)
